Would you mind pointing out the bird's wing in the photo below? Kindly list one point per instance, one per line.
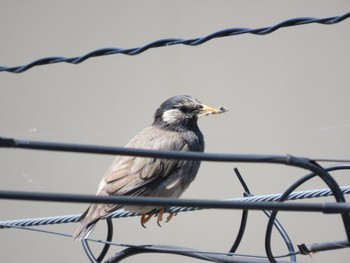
(129, 174)
(132, 175)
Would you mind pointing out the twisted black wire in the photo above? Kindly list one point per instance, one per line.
(177, 41)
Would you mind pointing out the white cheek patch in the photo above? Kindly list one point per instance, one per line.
(171, 116)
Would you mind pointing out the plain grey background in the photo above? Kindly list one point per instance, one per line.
(288, 93)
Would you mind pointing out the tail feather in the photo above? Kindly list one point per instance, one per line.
(84, 230)
(88, 221)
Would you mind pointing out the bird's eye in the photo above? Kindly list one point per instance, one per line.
(185, 109)
(197, 108)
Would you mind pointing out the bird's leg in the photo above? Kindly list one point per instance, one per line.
(160, 216)
(145, 218)
(170, 216)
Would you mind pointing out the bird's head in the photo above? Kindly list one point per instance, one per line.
(182, 112)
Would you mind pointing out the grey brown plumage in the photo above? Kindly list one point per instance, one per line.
(174, 128)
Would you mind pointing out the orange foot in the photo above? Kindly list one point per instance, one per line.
(170, 216)
(160, 216)
(146, 217)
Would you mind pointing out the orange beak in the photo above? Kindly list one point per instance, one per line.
(207, 110)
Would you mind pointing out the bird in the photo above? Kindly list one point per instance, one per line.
(174, 128)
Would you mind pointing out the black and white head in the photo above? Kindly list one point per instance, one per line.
(180, 113)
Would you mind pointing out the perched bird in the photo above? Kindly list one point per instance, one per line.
(174, 128)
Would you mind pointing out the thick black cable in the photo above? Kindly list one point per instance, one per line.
(97, 149)
(177, 41)
(115, 150)
(328, 208)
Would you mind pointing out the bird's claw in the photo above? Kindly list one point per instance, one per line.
(170, 216)
(160, 217)
(146, 217)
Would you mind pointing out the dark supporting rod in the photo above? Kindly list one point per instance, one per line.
(96, 149)
(165, 202)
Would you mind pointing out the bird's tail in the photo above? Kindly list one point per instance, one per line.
(87, 224)
(83, 231)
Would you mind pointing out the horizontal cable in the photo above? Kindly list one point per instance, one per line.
(110, 150)
(177, 41)
(157, 201)
(115, 150)
(119, 214)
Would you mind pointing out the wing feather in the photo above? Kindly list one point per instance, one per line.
(128, 173)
